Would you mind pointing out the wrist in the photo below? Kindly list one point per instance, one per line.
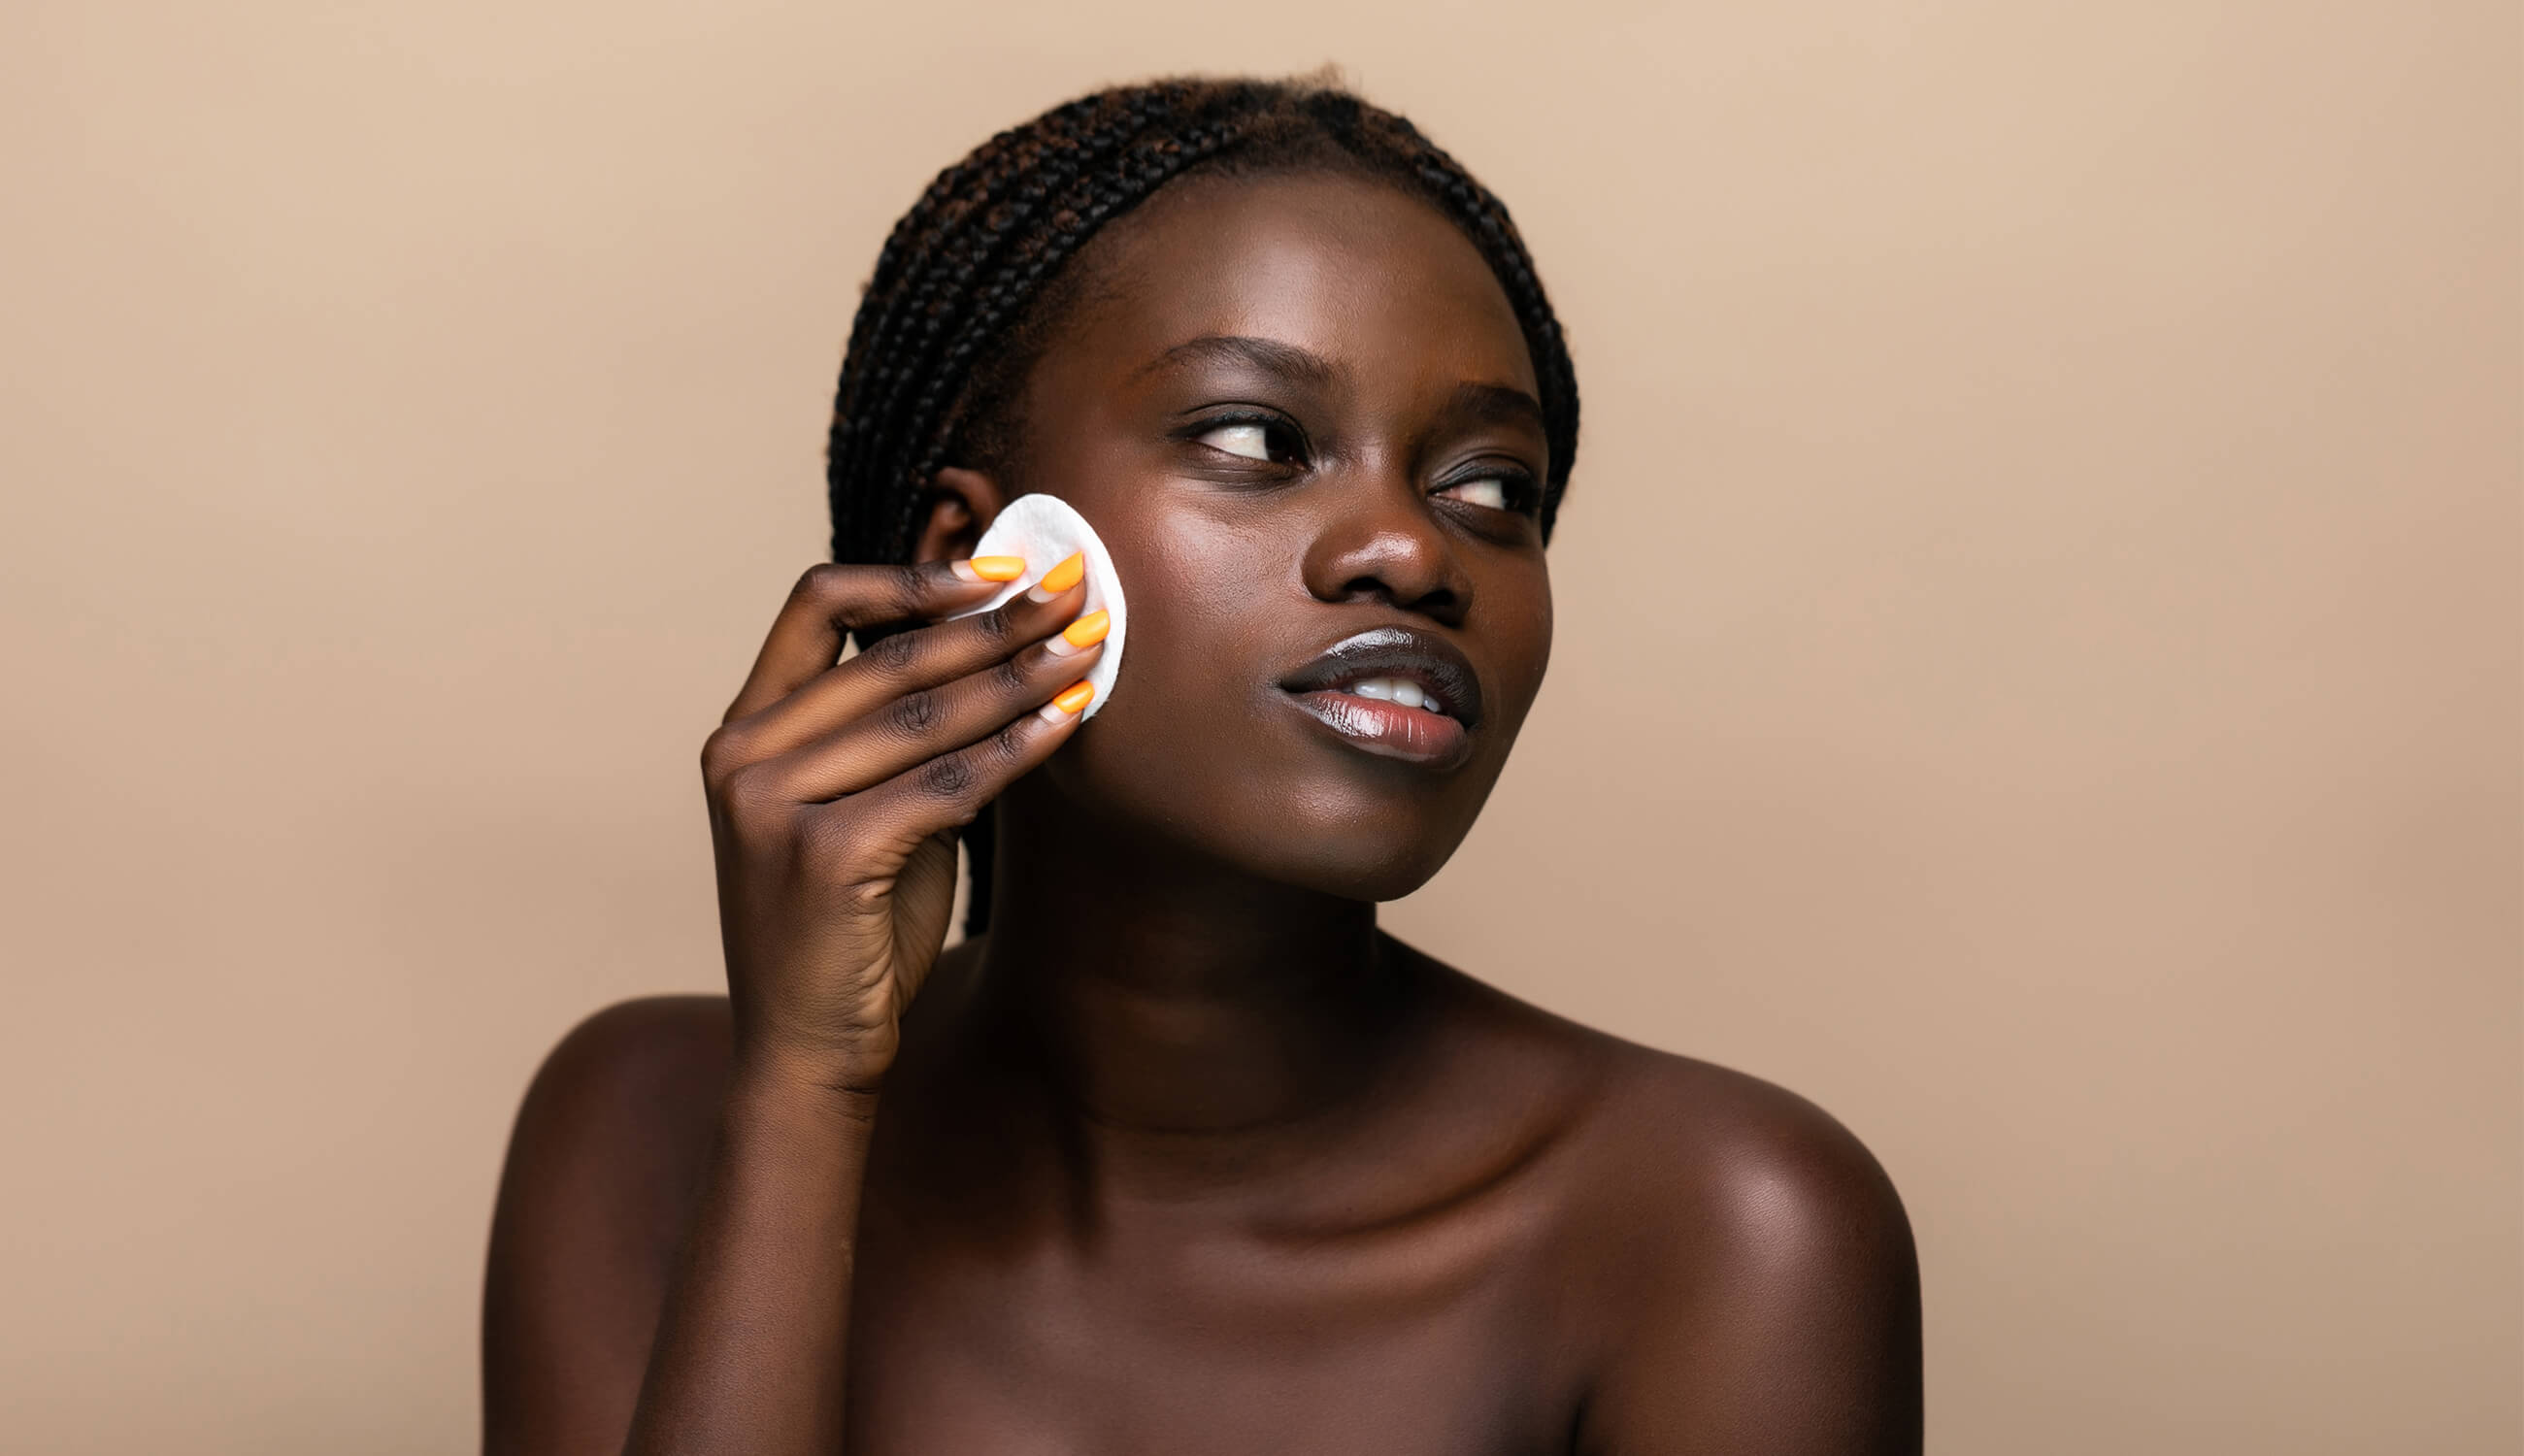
(766, 1080)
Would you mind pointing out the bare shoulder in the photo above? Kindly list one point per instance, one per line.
(624, 1105)
(1750, 1275)
(604, 1165)
(632, 1055)
(1747, 1159)
(1679, 1143)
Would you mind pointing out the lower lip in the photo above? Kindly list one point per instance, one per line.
(1388, 729)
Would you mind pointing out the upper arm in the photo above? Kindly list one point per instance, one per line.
(1785, 1320)
(602, 1171)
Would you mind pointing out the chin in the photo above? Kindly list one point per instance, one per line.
(1376, 840)
(1362, 831)
(1360, 868)
(1356, 863)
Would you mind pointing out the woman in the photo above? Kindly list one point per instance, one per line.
(1176, 1152)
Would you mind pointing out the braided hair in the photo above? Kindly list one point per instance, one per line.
(970, 284)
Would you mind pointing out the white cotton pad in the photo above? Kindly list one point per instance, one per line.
(1045, 531)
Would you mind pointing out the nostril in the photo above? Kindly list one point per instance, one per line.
(1405, 566)
(1377, 587)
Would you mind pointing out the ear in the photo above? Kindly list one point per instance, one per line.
(962, 505)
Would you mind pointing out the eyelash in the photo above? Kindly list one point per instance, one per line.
(1523, 494)
(1270, 426)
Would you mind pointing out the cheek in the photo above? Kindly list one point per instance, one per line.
(1203, 594)
(1521, 636)
(1198, 743)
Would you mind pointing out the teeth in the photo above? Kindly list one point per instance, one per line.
(1396, 690)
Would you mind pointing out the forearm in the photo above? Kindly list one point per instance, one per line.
(750, 1355)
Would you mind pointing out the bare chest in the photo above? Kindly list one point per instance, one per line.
(1395, 1340)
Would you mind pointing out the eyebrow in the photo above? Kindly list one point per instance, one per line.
(1500, 404)
(1493, 404)
(1268, 354)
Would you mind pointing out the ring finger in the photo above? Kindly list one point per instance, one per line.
(920, 726)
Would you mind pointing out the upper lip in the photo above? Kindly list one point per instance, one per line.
(1438, 665)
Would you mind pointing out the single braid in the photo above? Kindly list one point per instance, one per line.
(965, 287)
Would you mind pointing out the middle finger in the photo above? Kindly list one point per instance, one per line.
(918, 660)
(921, 726)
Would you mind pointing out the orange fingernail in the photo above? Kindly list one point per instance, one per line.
(991, 568)
(1072, 699)
(1060, 579)
(1081, 634)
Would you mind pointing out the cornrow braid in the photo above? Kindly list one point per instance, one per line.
(969, 283)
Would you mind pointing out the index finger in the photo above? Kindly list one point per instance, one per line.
(830, 600)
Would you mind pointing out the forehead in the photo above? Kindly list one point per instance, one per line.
(1351, 268)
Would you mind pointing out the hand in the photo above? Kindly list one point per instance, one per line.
(836, 791)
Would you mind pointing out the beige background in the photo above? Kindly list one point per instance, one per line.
(2049, 508)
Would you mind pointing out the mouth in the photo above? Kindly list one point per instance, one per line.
(1394, 692)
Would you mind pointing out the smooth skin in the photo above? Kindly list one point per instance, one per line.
(1185, 1155)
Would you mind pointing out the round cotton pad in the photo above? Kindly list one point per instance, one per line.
(1045, 531)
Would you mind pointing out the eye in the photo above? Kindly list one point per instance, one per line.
(1252, 441)
(1494, 492)
(1265, 439)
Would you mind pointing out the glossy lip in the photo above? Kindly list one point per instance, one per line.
(1388, 729)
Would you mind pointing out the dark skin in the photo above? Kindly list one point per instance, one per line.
(1185, 1156)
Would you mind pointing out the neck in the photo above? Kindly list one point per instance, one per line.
(1163, 992)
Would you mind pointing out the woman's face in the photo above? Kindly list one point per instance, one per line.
(1300, 413)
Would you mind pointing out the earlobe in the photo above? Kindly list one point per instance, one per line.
(958, 506)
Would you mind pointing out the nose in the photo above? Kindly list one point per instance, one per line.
(1378, 539)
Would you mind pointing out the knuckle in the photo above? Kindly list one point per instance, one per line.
(893, 655)
(822, 584)
(951, 777)
(723, 753)
(998, 625)
(1010, 678)
(1013, 742)
(752, 795)
(908, 589)
(914, 715)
